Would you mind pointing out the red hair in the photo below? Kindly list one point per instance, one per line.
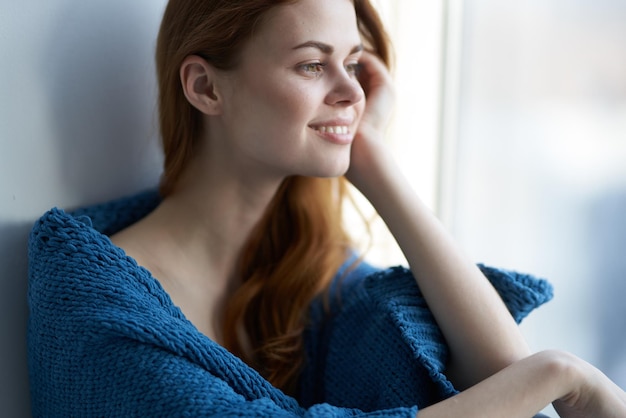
(300, 243)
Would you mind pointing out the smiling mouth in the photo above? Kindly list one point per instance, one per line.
(340, 129)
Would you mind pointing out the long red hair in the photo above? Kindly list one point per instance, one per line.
(300, 243)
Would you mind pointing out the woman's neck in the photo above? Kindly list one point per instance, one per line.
(211, 218)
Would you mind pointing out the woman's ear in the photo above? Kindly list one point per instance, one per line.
(198, 80)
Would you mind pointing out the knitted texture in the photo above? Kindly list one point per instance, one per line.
(104, 338)
(384, 337)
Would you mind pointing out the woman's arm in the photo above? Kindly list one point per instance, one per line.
(482, 336)
(485, 343)
(527, 386)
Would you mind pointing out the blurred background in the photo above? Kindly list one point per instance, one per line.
(510, 123)
(540, 181)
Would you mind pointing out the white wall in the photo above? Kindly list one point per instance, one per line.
(77, 125)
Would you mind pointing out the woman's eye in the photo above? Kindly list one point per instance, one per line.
(314, 68)
(354, 69)
(317, 68)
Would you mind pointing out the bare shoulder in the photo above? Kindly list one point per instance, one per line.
(139, 242)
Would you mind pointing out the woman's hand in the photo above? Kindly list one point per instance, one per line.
(368, 148)
(377, 85)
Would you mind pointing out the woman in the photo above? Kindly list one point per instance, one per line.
(262, 110)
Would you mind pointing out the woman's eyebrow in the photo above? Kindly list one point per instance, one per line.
(325, 48)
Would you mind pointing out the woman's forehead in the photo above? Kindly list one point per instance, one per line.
(331, 22)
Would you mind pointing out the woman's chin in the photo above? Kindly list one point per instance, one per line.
(330, 168)
(338, 171)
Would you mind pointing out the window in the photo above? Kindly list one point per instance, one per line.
(540, 182)
(416, 29)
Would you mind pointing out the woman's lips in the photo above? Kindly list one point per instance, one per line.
(337, 131)
(337, 134)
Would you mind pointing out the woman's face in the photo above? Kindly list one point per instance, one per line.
(293, 104)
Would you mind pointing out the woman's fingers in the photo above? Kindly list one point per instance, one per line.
(377, 84)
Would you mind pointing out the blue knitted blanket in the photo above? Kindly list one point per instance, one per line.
(104, 338)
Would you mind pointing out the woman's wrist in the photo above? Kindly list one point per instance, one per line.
(372, 166)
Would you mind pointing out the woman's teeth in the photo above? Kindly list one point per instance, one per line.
(333, 129)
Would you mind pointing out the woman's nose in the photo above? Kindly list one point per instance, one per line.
(346, 90)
